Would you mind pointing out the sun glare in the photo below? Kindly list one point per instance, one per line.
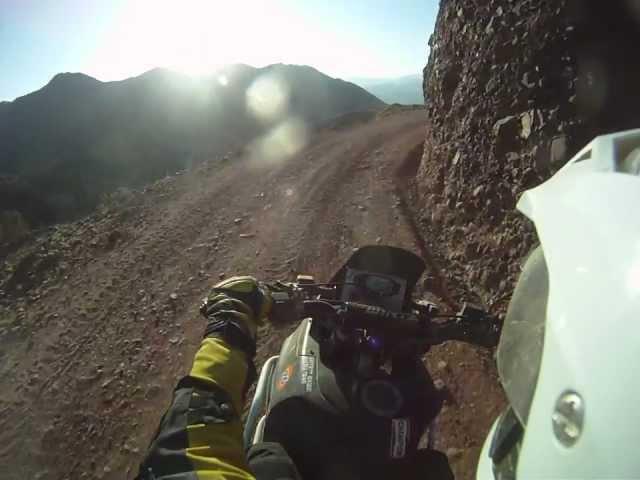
(197, 37)
(194, 37)
(268, 97)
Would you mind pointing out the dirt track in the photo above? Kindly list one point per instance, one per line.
(85, 380)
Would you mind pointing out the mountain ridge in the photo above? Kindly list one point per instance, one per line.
(77, 138)
(405, 90)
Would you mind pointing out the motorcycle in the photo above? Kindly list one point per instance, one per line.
(349, 394)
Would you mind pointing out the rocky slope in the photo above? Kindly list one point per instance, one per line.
(77, 138)
(500, 82)
(514, 88)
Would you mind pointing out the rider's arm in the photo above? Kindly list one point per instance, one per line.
(200, 435)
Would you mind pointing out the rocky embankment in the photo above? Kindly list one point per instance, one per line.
(513, 88)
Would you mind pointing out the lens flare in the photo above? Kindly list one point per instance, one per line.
(281, 143)
(268, 98)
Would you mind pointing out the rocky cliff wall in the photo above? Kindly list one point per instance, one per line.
(513, 89)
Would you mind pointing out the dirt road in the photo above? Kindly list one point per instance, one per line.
(91, 352)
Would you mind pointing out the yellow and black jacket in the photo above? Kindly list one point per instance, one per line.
(200, 435)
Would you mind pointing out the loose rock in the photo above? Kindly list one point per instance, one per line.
(526, 122)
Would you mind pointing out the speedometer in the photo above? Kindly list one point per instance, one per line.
(377, 285)
(382, 286)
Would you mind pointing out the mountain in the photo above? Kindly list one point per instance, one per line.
(406, 90)
(78, 138)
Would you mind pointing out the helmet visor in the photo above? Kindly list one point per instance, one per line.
(521, 342)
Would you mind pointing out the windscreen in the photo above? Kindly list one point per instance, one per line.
(521, 342)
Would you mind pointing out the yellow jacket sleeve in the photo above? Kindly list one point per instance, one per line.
(201, 432)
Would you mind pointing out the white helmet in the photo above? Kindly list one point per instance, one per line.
(569, 356)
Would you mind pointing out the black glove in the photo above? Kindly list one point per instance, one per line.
(234, 309)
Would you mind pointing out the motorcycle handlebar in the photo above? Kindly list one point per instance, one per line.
(484, 332)
(471, 325)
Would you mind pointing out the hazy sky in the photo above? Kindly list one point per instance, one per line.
(123, 38)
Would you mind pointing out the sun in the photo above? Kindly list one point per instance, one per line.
(190, 36)
(195, 37)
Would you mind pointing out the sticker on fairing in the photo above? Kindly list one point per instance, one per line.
(400, 430)
(284, 378)
(307, 371)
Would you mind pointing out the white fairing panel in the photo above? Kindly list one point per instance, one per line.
(588, 221)
(485, 464)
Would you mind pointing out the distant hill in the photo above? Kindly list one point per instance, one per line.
(78, 138)
(405, 90)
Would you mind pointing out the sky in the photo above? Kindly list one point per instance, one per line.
(113, 40)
